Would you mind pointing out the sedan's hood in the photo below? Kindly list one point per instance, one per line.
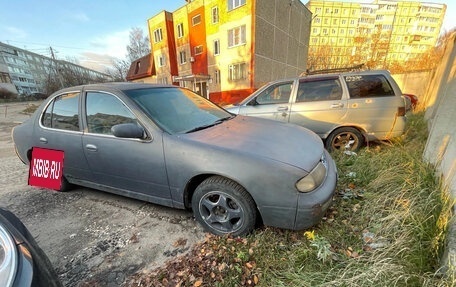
(287, 143)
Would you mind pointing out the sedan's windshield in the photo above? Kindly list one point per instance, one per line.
(178, 110)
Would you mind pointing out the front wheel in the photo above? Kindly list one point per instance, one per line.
(346, 138)
(223, 207)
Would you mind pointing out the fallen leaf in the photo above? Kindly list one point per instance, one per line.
(249, 265)
(255, 279)
(198, 283)
(180, 242)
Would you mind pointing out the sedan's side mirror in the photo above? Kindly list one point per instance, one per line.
(128, 130)
(253, 102)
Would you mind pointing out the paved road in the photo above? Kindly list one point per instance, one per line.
(88, 234)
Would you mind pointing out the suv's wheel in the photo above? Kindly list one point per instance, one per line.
(224, 207)
(346, 138)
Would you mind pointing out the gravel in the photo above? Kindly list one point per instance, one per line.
(92, 238)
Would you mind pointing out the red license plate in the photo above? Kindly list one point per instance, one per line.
(46, 168)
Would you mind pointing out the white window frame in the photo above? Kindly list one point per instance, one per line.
(196, 18)
(237, 72)
(237, 36)
(158, 35)
(180, 30)
(161, 60)
(198, 49)
(217, 77)
(216, 47)
(233, 4)
(182, 57)
(215, 15)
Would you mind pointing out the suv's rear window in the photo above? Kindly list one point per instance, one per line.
(368, 86)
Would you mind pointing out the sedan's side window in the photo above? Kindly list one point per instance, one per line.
(104, 111)
(319, 90)
(275, 94)
(62, 113)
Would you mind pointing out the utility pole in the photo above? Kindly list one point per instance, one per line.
(56, 69)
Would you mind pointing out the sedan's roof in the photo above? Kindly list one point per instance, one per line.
(121, 86)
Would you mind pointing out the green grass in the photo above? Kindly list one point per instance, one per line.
(386, 227)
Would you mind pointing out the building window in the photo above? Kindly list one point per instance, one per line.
(215, 15)
(216, 47)
(158, 36)
(182, 57)
(196, 20)
(236, 36)
(161, 60)
(217, 76)
(180, 30)
(198, 50)
(233, 4)
(237, 72)
(317, 20)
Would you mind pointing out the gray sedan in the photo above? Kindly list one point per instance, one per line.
(169, 146)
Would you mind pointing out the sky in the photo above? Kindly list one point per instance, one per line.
(93, 32)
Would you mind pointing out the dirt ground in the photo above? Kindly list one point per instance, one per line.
(89, 235)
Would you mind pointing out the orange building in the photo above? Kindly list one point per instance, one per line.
(224, 50)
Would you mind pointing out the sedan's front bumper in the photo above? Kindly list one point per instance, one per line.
(312, 206)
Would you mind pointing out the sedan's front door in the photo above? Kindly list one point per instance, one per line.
(272, 103)
(127, 165)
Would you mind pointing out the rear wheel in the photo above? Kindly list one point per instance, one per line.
(223, 207)
(346, 138)
(65, 185)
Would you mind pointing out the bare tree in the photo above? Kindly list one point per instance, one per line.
(139, 44)
(119, 70)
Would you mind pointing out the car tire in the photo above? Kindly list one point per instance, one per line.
(223, 207)
(346, 138)
(65, 185)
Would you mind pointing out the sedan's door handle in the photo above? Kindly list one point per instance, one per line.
(43, 140)
(338, 105)
(91, 147)
(280, 109)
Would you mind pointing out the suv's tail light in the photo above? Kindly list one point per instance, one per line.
(401, 111)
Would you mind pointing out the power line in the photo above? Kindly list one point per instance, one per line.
(45, 45)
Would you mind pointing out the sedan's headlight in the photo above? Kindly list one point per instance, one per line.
(8, 258)
(314, 179)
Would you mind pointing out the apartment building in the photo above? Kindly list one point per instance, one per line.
(24, 73)
(380, 32)
(224, 50)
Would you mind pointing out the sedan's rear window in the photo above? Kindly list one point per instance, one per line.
(62, 113)
(368, 86)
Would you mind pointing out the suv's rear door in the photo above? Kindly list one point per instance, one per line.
(320, 104)
(273, 102)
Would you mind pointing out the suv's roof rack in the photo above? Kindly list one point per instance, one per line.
(335, 70)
